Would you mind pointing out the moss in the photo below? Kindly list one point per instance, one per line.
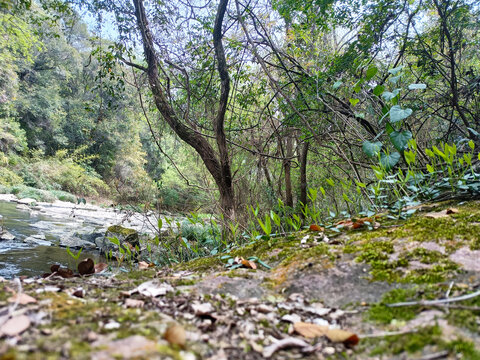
(410, 343)
(381, 313)
(464, 347)
(117, 229)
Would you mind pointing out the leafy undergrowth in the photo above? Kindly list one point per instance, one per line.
(308, 295)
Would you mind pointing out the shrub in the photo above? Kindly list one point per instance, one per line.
(9, 178)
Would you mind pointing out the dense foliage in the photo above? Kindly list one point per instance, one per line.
(373, 104)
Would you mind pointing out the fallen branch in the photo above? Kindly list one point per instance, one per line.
(387, 333)
(435, 356)
(436, 302)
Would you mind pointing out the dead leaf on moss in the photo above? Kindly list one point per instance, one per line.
(442, 214)
(315, 227)
(309, 330)
(142, 265)
(15, 326)
(100, 267)
(248, 263)
(22, 299)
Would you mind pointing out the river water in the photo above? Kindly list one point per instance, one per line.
(19, 258)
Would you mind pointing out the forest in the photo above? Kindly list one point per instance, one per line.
(255, 121)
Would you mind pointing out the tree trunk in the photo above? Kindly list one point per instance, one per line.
(303, 174)
(219, 167)
(288, 172)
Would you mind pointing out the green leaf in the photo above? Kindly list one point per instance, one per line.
(396, 70)
(395, 79)
(330, 182)
(417, 86)
(160, 223)
(400, 139)
(354, 101)
(371, 148)
(389, 96)
(471, 144)
(389, 128)
(337, 84)
(388, 161)
(398, 114)
(371, 72)
(378, 90)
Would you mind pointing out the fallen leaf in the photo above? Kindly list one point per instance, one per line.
(346, 337)
(282, 344)
(65, 273)
(86, 267)
(358, 224)
(309, 330)
(441, 214)
(142, 265)
(15, 326)
(22, 299)
(175, 335)
(80, 293)
(54, 268)
(100, 267)
(248, 264)
(134, 303)
(315, 227)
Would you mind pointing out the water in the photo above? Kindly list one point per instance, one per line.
(18, 258)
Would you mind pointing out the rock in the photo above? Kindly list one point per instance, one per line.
(76, 243)
(23, 207)
(5, 235)
(27, 201)
(38, 239)
(124, 235)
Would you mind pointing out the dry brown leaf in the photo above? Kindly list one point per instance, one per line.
(248, 264)
(100, 267)
(142, 265)
(452, 211)
(153, 288)
(343, 336)
(315, 227)
(86, 267)
(309, 330)
(15, 326)
(175, 335)
(22, 299)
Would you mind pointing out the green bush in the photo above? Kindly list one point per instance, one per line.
(22, 191)
(9, 178)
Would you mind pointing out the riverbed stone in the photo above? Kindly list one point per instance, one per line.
(38, 239)
(126, 237)
(27, 201)
(76, 243)
(6, 236)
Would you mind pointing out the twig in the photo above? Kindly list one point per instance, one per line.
(436, 302)
(387, 333)
(434, 356)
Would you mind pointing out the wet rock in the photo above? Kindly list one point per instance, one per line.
(27, 201)
(5, 235)
(23, 207)
(38, 239)
(126, 238)
(76, 243)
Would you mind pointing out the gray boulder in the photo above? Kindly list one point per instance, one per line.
(127, 238)
(38, 239)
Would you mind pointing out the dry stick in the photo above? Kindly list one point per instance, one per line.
(434, 356)
(436, 302)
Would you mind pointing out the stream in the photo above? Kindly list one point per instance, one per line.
(19, 258)
(43, 231)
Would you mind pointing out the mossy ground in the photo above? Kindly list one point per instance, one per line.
(391, 264)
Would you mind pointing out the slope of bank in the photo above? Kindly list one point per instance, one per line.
(407, 290)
